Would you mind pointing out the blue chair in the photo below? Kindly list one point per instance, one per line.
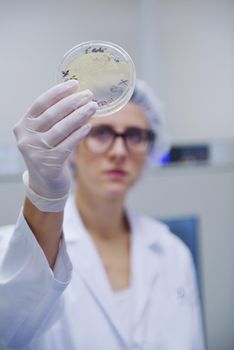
(187, 229)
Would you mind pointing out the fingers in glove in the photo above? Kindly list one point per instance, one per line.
(73, 140)
(51, 97)
(60, 110)
(72, 123)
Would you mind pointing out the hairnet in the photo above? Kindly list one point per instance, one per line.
(144, 97)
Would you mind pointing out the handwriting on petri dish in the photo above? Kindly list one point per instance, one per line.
(65, 75)
(102, 103)
(100, 49)
(91, 49)
(119, 88)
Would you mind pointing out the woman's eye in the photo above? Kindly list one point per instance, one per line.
(135, 136)
(101, 133)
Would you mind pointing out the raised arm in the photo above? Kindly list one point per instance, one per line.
(51, 129)
(30, 289)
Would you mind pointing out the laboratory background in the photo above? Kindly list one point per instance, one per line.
(185, 50)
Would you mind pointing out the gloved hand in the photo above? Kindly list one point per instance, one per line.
(51, 129)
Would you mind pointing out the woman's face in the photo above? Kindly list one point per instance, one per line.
(112, 173)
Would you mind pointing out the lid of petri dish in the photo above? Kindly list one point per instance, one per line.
(104, 68)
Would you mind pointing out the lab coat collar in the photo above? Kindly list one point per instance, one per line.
(146, 256)
(152, 239)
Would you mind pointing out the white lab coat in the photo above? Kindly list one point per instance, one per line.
(42, 309)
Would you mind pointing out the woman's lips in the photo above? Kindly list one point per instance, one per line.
(116, 173)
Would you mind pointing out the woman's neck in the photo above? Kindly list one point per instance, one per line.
(103, 218)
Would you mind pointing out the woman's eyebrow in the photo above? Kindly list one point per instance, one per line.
(102, 125)
(120, 128)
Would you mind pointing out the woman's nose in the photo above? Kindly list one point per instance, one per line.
(118, 147)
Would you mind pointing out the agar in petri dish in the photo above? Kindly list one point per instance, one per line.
(104, 68)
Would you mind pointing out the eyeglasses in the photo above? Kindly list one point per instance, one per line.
(101, 138)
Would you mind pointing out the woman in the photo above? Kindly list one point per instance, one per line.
(133, 284)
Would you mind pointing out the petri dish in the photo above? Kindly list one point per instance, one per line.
(104, 68)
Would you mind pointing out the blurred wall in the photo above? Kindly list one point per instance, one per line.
(192, 45)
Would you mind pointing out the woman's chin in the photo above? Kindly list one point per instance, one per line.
(115, 191)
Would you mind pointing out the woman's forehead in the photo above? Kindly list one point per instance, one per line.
(129, 115)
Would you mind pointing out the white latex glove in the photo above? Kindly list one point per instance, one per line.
(51, 129)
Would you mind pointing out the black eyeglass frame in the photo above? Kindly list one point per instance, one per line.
(148, 135)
